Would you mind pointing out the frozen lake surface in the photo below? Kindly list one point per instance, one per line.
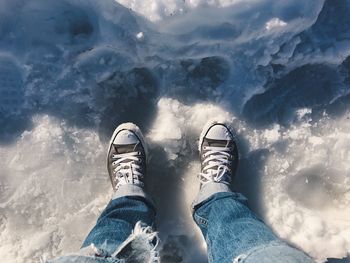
(71, 71)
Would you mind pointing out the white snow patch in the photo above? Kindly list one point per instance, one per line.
(176, 121)
(275, 23)
(156, 10)
(46, 183)
(140, 35)
(272, 135)
(312, 208)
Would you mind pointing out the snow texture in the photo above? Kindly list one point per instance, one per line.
(71, 71)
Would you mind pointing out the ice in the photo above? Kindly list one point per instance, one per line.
(70, 71)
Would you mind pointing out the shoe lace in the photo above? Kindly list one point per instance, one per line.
(127, 168)
(216, 164)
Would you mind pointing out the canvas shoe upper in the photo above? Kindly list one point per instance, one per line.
(126, 159)
(218, 154)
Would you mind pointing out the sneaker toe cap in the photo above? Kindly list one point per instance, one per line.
(219, 132)
(126, 137)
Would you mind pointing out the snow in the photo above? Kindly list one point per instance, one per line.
(140, 35)
(275, 23)
(315, 181)
(70, 71)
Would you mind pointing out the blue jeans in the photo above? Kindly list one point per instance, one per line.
(233, 233)
(117, 221)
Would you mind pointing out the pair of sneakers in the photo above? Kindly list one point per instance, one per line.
(127, 155)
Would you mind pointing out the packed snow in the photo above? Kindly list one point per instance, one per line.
(71, 71)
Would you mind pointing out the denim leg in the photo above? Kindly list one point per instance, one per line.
(119, 218)
(235, 234)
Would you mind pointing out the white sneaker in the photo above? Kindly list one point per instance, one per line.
(218, 154)
(126, 159)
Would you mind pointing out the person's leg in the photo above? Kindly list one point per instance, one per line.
(233, 233)
(117, 221)
(126, 163)
(123, 232)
